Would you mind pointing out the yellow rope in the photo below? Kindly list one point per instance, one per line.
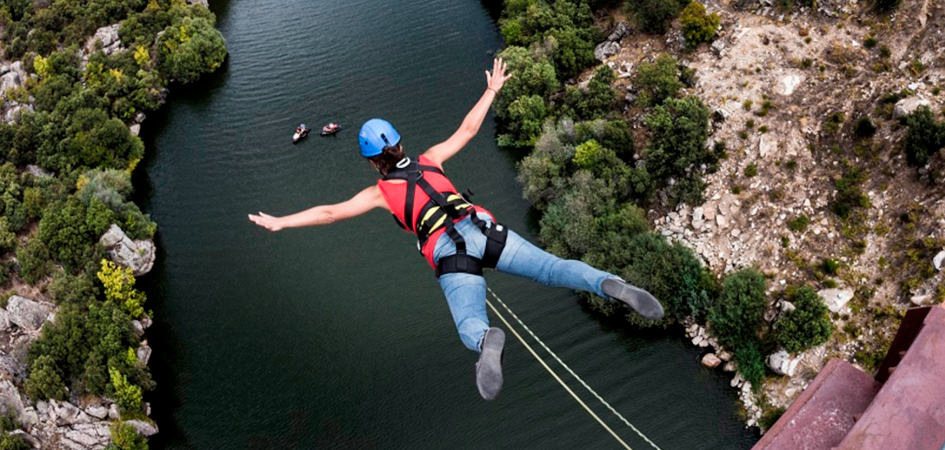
(568, 368)
(552, 372)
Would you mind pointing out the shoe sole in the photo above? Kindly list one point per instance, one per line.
(637, 299)
(489, 367)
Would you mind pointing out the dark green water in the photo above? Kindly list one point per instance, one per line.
(339, 337)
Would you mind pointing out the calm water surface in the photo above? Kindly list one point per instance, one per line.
(339, 337)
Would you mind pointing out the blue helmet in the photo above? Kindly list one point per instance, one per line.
(375, 135)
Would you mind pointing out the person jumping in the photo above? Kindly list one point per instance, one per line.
(459, 239)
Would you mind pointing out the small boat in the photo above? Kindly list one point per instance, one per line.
(330, 129)
(300, 133)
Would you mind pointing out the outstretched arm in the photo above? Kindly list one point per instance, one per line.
(365, 201)
(439, 153)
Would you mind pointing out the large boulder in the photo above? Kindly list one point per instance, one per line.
(107, 37)
(622, 29)
(143, 428)
(836, 299)
(25, 313)
(782, 363)
(907, 106)
(605, 50)
(65, 413)
(711, 361)
(12, 367)
(10, 80)
(138, 255)
(197, 2)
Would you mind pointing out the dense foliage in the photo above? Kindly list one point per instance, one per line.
(77, 131)
(926, 136)
(807, 326)
(736, 317)
(654, 16)
(697, 26)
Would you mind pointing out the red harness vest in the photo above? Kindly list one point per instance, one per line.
(426, 220)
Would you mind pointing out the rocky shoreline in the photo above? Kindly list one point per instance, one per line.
(777, 169)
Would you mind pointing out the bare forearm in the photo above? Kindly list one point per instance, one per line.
(318, 215)
(477, 115)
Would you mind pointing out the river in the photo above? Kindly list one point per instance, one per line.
(339, 337)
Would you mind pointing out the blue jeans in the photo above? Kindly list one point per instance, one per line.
(466, 293)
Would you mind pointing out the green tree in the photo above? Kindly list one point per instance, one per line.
(697, 26)
(678, 132)
(119, 283)
(533, 76)
(127, 395)
(654, 16)
(65, 231)
(658, 80)
(926, 136)
(751, 363)
(189, 49)
(125, 437)
(737, 314)
(33, 259)
(45, 380)
(807, 326)
(525, 118)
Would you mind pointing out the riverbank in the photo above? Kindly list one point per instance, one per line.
(76, 82)
(810, 193)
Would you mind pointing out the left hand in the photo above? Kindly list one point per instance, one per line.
(497, 78)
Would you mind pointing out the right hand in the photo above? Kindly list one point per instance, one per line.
(497, 78)
(266, 221)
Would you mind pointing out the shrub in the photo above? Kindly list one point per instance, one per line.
(737, 313)
(832, 125)
(525, 118)
(864, 128)
(870, 42)
(751, 170)
(830, 266)
(119, 283)
(34, 261)
(658, 80)
(849, 196)
(679, 129)
(807, 326)
(654, 16)
(126, 437)
(189, 49)
(697, 26)
(798, 224)
(751, 364)
(925, 137)
(127, 395)
(45, 380)
(590, 154)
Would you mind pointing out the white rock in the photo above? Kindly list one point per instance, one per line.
(143, 353)
(139, 255)
(113, 412)
(697, 340)
(907, 106)
(938, 259)
(721, 221)
(97, 411)
(790, 83)
(711, 361)
(730, 366)
(143, 428)
(135, 129)
(836, 299)
(782, 364)
(25, 313)
(787, 307)
(921, 300)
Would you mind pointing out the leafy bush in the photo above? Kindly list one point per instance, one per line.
(563, 29)
(127, 395)
(697, 26)
(525, 118)
(654, 16)
(751, 170)
(864, 128)
(658, 80)
(751, 363)
(119, 283)
(597, 101)
(679, 129)
(126, 437)
(807, 326)
(926, 136)
(849, 196)
(798, 224)
(886, 5)
(737, 314)
(45, 380)
(190, 48)
(34, 261)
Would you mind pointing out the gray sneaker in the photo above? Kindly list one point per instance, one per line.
(637, 299)
(489, 366)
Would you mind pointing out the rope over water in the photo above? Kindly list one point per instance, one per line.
(567, 368)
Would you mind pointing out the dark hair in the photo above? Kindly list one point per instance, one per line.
(387, 159)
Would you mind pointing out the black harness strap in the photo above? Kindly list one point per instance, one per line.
(426, 225)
